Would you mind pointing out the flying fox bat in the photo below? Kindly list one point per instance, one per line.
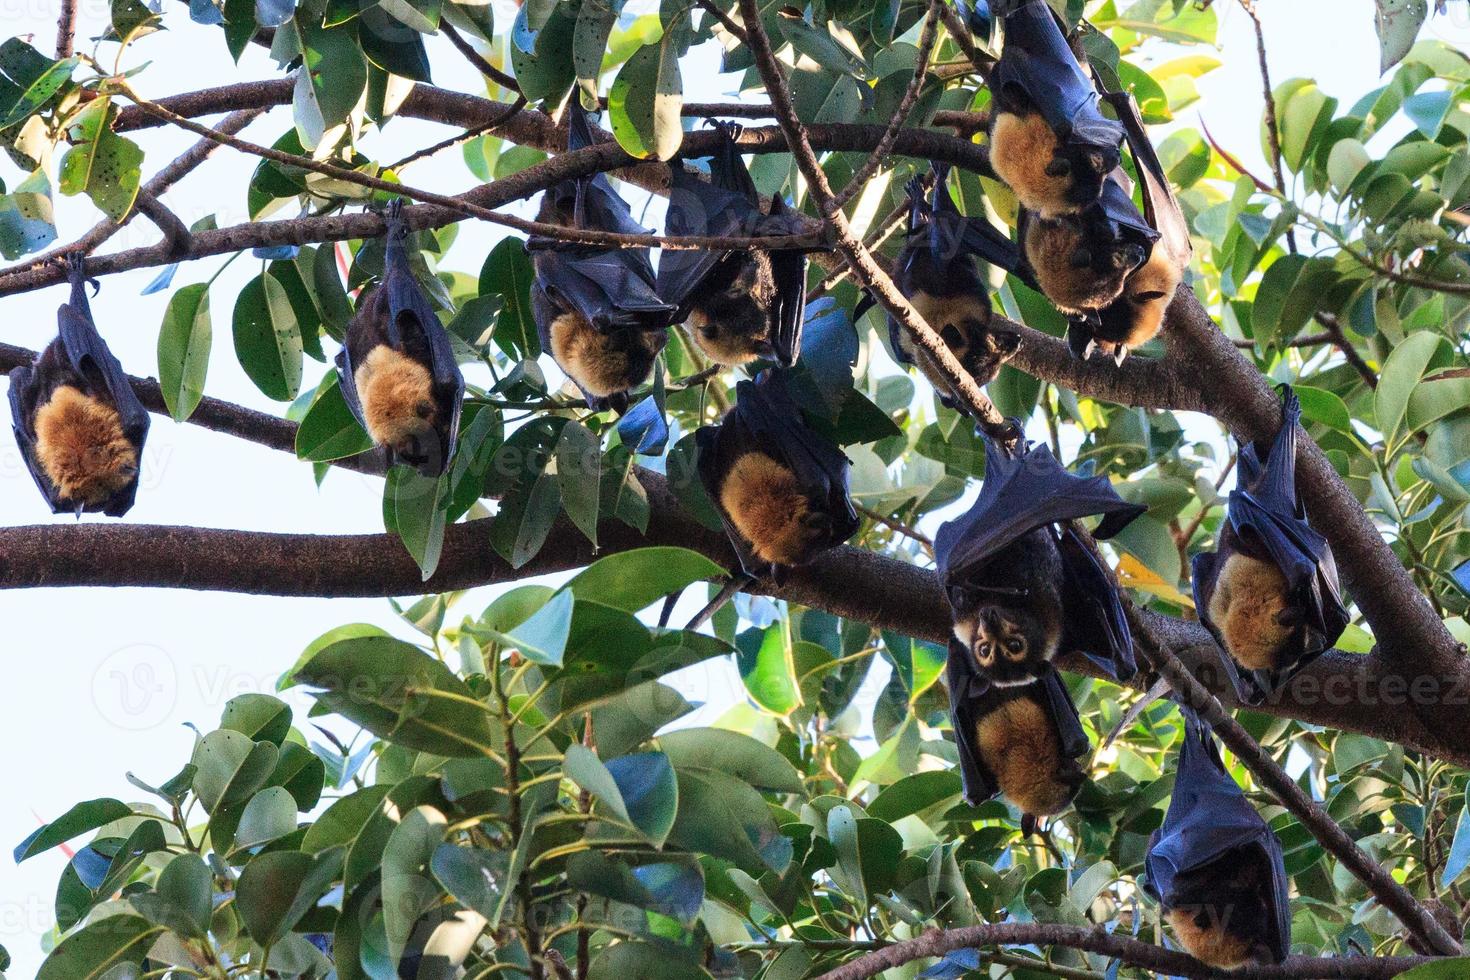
(743, 305)
(1214, 865)
(1048, 139)
(77, 420)
(397, 369)
(936, 271)
(1022, 584)
(1270, 593)
(597, 309)
(780, 488)
(1022, 742)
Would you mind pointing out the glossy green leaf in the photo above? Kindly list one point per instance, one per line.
(107, 167)
(99, 948)
(231, 767)
(329, 431)
(268, 337)
(646, 100)
(739, 755)
(633, 580)
(77, 821)
(183, 350)
(269, 815)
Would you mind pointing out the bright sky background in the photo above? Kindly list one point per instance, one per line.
(97, 680)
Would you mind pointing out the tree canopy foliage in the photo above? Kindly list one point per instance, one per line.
(520, 797)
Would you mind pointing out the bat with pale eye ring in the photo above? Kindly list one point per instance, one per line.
(597, 309)
(1049, 141)
(77, 420)
(742, 305)
(1214, 865)
(397, 368)
(1270, 593)
(779, 486)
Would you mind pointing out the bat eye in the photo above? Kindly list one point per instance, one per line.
(1151, 296)
(1058, 168)
(953, 337)
(424, 409)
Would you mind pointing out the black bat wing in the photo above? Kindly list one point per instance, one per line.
(1160, 206)
(719, 446)
(1115, 216)
(1037, 63)
(696, 207)
(1058, 700)
(1094, 620)
(1019, 495)
(967, 700)
(24, 388)
(1208, 817)
(788, 269)
(91, 358)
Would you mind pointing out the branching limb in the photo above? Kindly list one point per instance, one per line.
(475, 58)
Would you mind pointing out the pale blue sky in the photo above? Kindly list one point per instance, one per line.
(101, 681)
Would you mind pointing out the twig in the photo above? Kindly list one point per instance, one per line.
(66, 29)
(175, 232)
(475, 58)
(724, 20)
(1390, 894)
(1340, 339)
(1273, 133)
(879, 156)
(861, 260)
(500, 119)
(898, 527)
(1097, 940)
(877, 235)
(1187, 535)
(961, 35)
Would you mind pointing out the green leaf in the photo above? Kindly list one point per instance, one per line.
(1434, 398)
(1410, 361)
(915, 793)
(417, 503)
(541, 54)
(398, 692)
(183, 350)
(543, 637)
(583, 767)
(767, 672)
(27, 217)
(261, 716)
(31, 76)
(739, 755)
(407, 892)
(1397, 23)
(268, 337)
(723, 817)
(645, 102)
(1452, 969)
(507, 273)
(643, 961)
(269, 815)
(1320, 405)
(476, 878)
(100, 947)
(106, 166)
(73, 823)
(1459, 856)
(578, 467)
(595, 20)
(231, 767)
(329, 431)
(634, 580)
(330, 82)
(187, 885)
(650, 792)
(277, 888)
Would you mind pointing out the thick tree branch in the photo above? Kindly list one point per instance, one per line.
(1130, 951)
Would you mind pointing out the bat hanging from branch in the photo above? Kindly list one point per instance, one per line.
(77, 420)
(397, 368)
(742, 305)
(597, 310)
(1270, 593)
(1215, 866)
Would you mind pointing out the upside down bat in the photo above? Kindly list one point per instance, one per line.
(1214, 865)
(1048, 139)
(780, 488)
(1022, 742)
(396, 367)
(597, 309)
(1270, 592)
(1021, 582)
(742, 305)
(936, 271)
(77, 420)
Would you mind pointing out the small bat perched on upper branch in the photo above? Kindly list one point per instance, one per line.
(77, 420)
(1021, 582)
(742, 304)
(780, 488)
(397, 368)
(936, 271)
(597, 309)
(1048, 140)
(1215, 866)
(1270, 593)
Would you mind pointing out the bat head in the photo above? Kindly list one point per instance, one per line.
(398, 404)
(980, 349)
(603, 365)
(82, 448)
(1221, 912)
(1008, 643)
(771, 510)
(1084, 166)
(1138, 314)
(732, 319)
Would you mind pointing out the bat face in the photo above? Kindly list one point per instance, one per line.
(1008, 614)
(1221, 913)
(731, 315)
(81, 445)
(1018, 742)
(1134, 318)
(1008, 643)
(398, 404)
(1253, 610)
(1047, 175)
(604, 365)
(1079, 270)
(768, 506)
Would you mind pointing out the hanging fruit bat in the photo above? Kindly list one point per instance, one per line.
(396, 368)
(1023, 742)
(597, 309)
(1270, 593)
(936, 271)
(1022, 584)
(1214, 865)
(79, 424)
(742, 305)
(780, 488)
(1048, 140)
(1080, 262)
